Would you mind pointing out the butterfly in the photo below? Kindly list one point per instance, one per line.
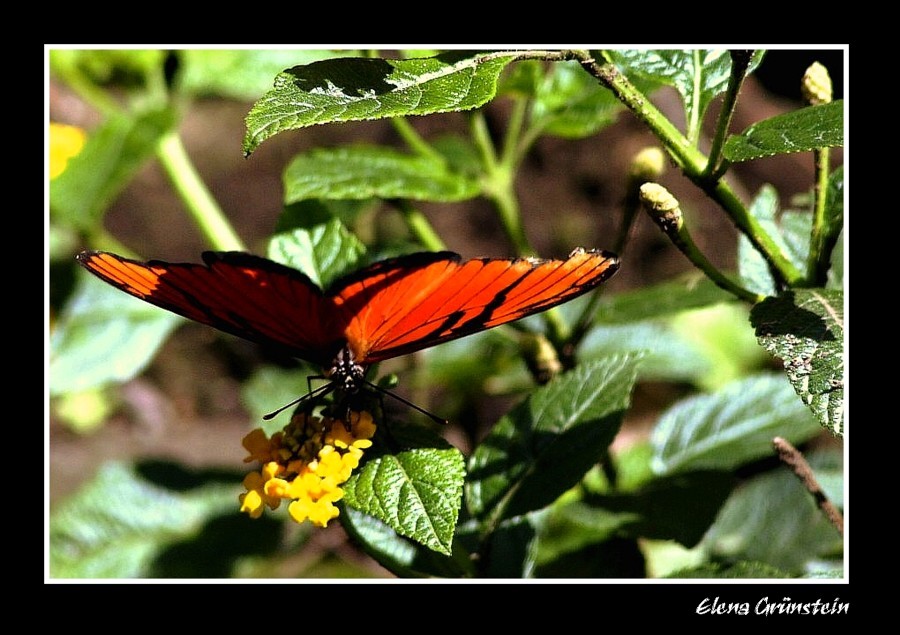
(387, 309)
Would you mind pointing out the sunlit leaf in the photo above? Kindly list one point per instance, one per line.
(801, 130)
(416, 492)
(730, 427)
(354, 89)
(547, 443)
(120, 523)
(805, 329)
(104, 336)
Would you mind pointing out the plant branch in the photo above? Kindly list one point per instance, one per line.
(792, 457)
(513, 149)
(414, 140)
(717, 164)
(419, 226)
(195, 195)
(817, 89)
(497, 186)
(783, 269)
(693, 164)
(693, 123)
(647, 165)
(665, 211)
(685, 155)
(819, 252)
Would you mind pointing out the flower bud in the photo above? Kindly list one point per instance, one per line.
(648, 164)
(663, 208)
(540, 357)
(816, 85)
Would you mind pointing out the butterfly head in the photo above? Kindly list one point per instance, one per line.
(345, 374)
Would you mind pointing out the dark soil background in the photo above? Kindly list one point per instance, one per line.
(186, 407)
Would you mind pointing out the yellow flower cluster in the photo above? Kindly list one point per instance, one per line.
(65, 142)
(305, 463)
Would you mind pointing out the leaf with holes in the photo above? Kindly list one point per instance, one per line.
(805, 329)
(357, 89)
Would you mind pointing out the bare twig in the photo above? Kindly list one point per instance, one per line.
(792, 457)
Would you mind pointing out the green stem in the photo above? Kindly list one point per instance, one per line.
(482, 139)
(740, 62)
(498, 186)
(196, 197)
(780, 264)
(414, 140)
(686, 245)
(86, 89)
(685, 155)
(420, 227)
(694, 165)
(512, 147)
(631, 207)
(665, 211)
(692, 125)
(819, 251)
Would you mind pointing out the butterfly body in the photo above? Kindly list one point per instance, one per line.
(390, 308)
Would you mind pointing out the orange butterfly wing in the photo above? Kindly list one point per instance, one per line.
(245, 295)
(390, 308)
(425, 299)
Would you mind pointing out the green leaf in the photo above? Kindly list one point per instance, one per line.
(510, 549)
(801, 130)
(619, 558)
(740, 569)
(721, 334)
(125, 66)
(572, 526)
(836, 272)
(241, 74)
(824, 570)
(834, 201)
(730, 427)
(690, 291)
(104, 336)
(119, 524)
(355, 89)
(323, 252)
(363, 172)
(805, 329)
(633, 468)
(790, 232)
(707, 347)
(834, 224)
(110, 158)
(667, 356)
(524, 78)
(698, 75)
(773, 519)
(753, 268)
(570, 103)
(402, 556)
(678, 507)
(416, 492)
(545, 445)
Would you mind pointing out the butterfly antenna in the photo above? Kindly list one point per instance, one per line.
(430, 415)
(318, 392)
